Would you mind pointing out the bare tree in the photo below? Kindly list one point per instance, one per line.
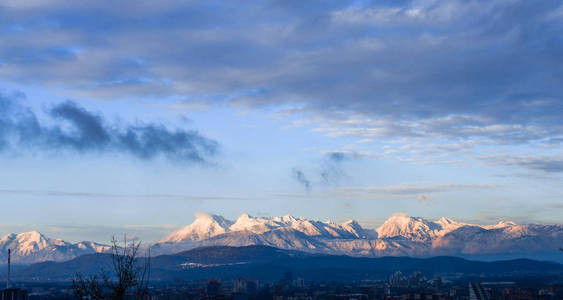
(130, 276)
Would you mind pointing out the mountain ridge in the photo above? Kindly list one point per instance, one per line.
(399, 235)
(269, 263)
(33, 246)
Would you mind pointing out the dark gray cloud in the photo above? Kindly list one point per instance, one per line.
(441, 69)
(341, 156)
(300, 177)
(73, 128)
(331, 170)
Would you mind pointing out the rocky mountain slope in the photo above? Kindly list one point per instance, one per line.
(400, 235)
(30, 247)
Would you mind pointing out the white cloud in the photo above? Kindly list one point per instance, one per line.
(422, 192)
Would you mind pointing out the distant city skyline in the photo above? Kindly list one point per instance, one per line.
(132, 117)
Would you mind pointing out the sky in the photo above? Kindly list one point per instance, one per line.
(131, 116)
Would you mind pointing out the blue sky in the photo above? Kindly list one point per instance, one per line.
(132, 116)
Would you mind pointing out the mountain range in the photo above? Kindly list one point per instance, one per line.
(30, 247)
(400, 235)
(268, 263)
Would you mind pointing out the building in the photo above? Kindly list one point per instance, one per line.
(213, 288)
(416, 279)
(244, 286)
(397, 279)
(239, 286)
(14, 294)
(477, 292)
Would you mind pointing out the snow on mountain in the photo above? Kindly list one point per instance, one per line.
(30, 247)
(258, 225)
(285, 232)
(399, 224)
(357, 231)
(416, 229)
(25, 243)
(207, 226)
(447, 225)
(204, 227)
(399, 235)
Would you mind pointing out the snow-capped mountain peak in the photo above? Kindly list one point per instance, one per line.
(205, 226)
(33, 246)
(352, 223)
(446, 225)
(243, 221)
(401, 234)
(98, 248)
(32, 236)
(25, 243)
(401, 224)
(501, 224)
(416, 228)
(258, 225)
(446, 221)
(356, 229)
(289, 219)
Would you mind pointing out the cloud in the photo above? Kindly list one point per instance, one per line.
(340, 156)
(78, 130)
(465, 73)
(101, 196)
(531, 176)
(405, 60)
(422, 192)
(331, 171)
(545, 164)
(425, 200)
(300, 177)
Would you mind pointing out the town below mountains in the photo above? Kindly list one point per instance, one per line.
(400, 235)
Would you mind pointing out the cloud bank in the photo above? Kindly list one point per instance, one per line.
(446, 68)
(440, 76)
(73, 128)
